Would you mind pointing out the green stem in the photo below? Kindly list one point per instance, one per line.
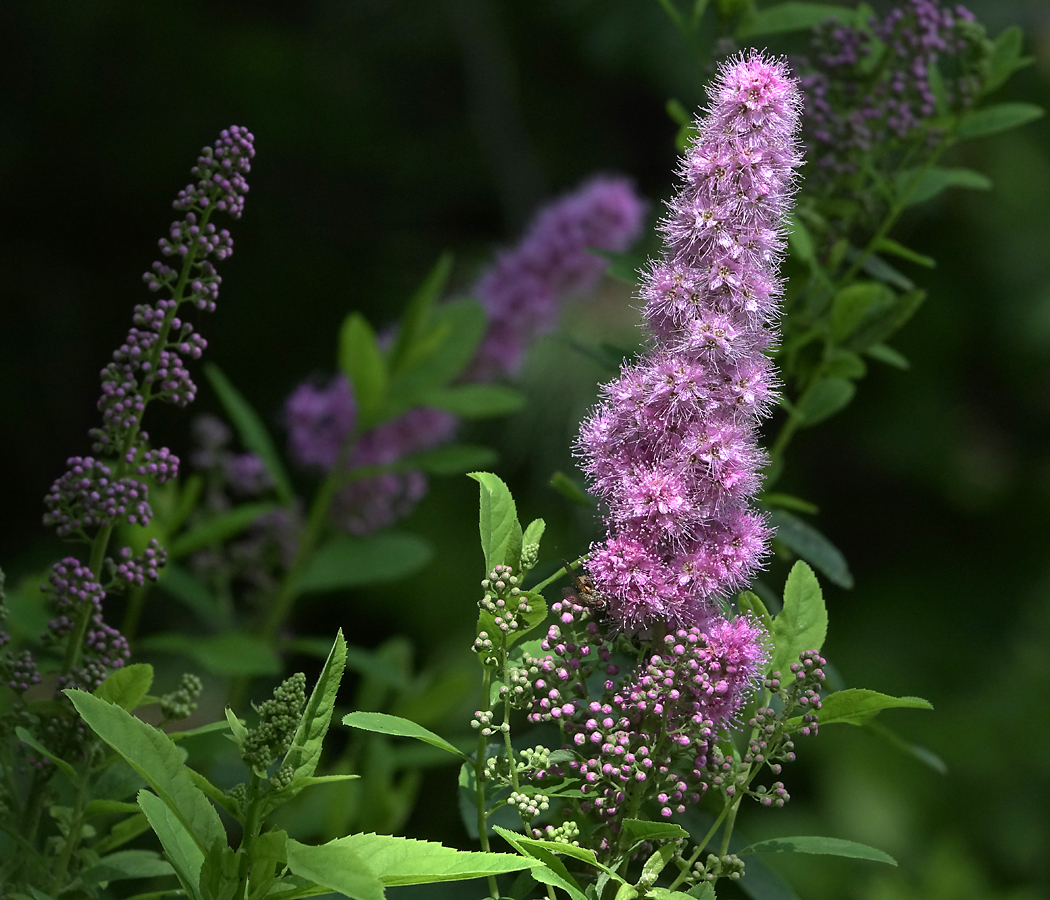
(538, 588)
(76, 824)
(699, 849)
(252, 823)
(479, 779)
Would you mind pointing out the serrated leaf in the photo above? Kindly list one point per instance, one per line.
(152, 754)
(476, 401)
(857, 706)
(807, 542)
(232, 654)
(582, 854)
(304, 753)
(354, 561)
(498, 523)
(416, 315)
(922, 185)
(452, 459)
(823, 399)
(400, 861)
(1000, 117)
(383, 723)
(127, 864)
(528, 621)
(803, 622)
(126, 686)
(30, 740)
(361, 360)
(180, 846)
(219, 529)
(335, 867)
(823, 846)
(783, 18)
(251, 431)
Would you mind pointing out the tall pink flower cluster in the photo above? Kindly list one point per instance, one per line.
(521, 294)
(672, 447)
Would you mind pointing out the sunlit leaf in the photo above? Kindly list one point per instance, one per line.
(823, 846)
(500, 530)
(803, 622)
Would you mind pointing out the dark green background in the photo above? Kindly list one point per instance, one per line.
(389, 131)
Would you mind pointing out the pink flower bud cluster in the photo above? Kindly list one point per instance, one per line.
(649, 734)
(521, 295)
(672, 448)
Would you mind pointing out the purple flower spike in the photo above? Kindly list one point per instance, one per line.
(522, 292)
(672, 447)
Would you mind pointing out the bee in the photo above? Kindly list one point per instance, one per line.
(584, 588)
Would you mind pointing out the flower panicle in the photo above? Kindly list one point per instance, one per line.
(672, 448)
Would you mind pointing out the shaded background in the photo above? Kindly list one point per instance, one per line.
(388, 132)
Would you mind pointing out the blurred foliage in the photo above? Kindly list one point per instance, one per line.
(389, 132)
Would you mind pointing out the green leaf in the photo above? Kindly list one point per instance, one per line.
(857, 304)
(361, 360)
(305, 750)
(877, 328)
(152, 754)
(232, 654)
(382, 723)
(825, 398)
(108, 807)
(857, 706)
(251, 431)
(843, 363)
(416, 315)
(528, 621)
(803, 622)
(180, 846)
(1000, 117)
(925, 756)
(219, 529)
(801, 241)
(451, 337)
(783, 18)
(533, 535)
(216, 795)
(940, 95)
(823, 846)
(677, 112)
(886, 354)
(335, 867)
(452, 459)
(123, 831)
(571, 491)
(210, 728)
(127, 864)
(1006, 58)
(703, 891)
(522, 843)
(126, 686)
(27, 738)
(500, 529)
(399, 861)
(787, 501)
(350, 561)
(656, 863)
(476, 401)
(748, 602)
(921, 185)
(624, 266)
(638, 831)
(185, 587)
(889, 245)
(805, 541)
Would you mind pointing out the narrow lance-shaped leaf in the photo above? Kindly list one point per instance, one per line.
(807, 542)
(383, 723)
(362, 362)
(219, 529)
(250, 429)
(152, 754)
(180, 846)
(414, 319)
(823, 846)
(335, 867)
(305, 750)
(857, 706)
